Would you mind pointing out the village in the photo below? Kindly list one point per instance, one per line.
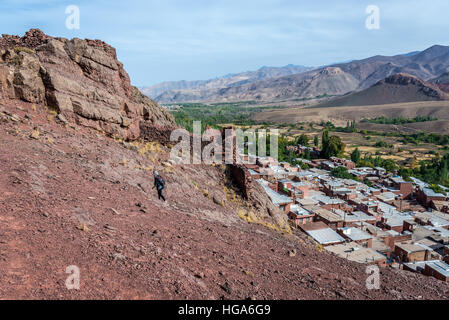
(391, 223)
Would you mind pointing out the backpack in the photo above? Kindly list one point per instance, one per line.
(161, 182)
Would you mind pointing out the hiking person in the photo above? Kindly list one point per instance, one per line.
(159, 184)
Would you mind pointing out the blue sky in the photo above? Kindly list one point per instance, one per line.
(200, 39)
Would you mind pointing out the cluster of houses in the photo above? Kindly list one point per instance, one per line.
(391, 223)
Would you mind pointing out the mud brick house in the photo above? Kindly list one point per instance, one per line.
(356, 235)
(279, 200)
(302, 189)
(426, 195)
(408, 252)
(380, 171)
(327, 217)
(304, 175)
(380, 246)
(436, 249)
(322, 234)
(368, 206)
(417, 266)
(362, 172)
(442, 206)
(437, 269)
(394, 237)
(396, 225)
(300, 215)
(392, 219)
(352, 219)
(249, 165)
(353, 252)
(299, 149)
(339, 162)
(336, 189)
(295, 190)
(446, 254)
(254, 174)
(403, 188)
(387, 197)
(434, 219)
(410, 225)
(434, 268)
(328, 165)
(384, 240)
(329, 203)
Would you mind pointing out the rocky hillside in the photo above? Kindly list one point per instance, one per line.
(194, 88)
(335, 80)
(397, 88)
(75, 192)
(81, 80)
(330, 80)
(69, 195)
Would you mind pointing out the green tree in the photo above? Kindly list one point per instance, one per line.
(307, 155)
(342, 173)
(333, 147)
(356, 155)
(316, 141)
(325, 138)
(303, 140)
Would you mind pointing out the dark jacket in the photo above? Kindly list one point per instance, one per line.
(159, 183)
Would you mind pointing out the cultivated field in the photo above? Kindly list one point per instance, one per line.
(340, 115)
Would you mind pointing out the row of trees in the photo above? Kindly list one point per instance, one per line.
(399, 120)
(435, 171)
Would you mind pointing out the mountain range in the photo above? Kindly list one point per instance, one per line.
(398, 88)
(430, 65)
(230, 80)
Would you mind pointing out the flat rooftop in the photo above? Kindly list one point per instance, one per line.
(355, 234)
(410, 247)
(325, 236)
(325, 214)
(439, 266)
(353, 252)
(276, 198)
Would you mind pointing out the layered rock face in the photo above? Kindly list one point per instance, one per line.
(80, 79)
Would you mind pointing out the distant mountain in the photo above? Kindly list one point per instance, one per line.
(337, 79)
(328, 80)
(442, 79)
(411, 53)
(225, 81)
(398, 88)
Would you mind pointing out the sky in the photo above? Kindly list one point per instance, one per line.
(168, 40)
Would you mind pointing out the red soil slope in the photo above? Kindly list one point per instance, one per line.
(71, 196)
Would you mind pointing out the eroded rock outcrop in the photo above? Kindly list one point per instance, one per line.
(80, 79)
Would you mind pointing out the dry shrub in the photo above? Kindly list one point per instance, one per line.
(250, 217)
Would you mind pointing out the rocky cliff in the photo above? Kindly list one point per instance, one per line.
(81, 80)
